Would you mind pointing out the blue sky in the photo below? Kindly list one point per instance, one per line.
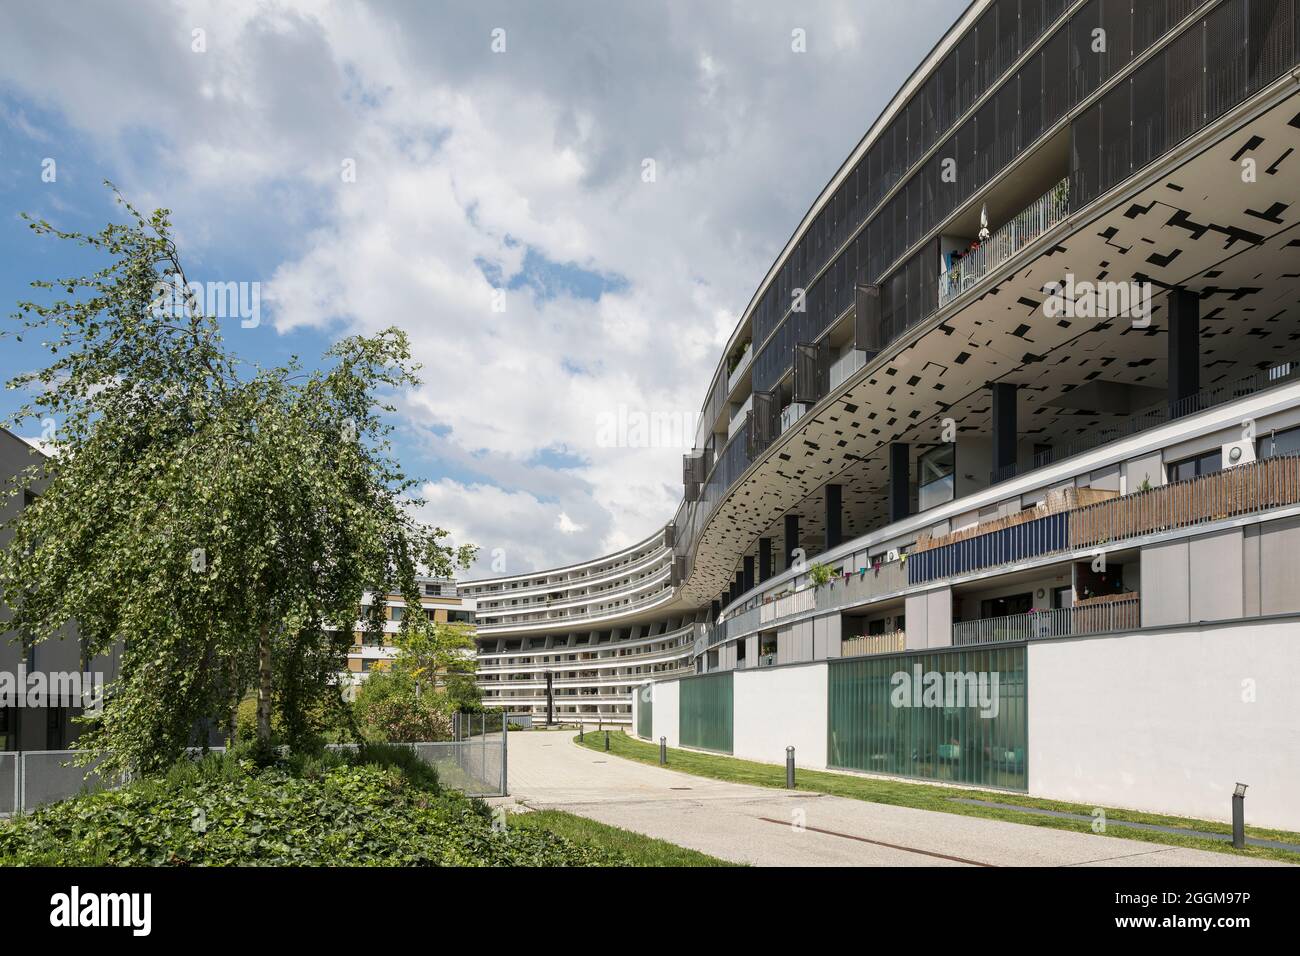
(498, 210)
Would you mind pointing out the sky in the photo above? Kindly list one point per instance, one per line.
(566, 205)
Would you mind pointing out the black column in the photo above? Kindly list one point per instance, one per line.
(764, 559)
(1184, 346)
(834, 528)
(791, 539)
(1004, 430)
(738, 588)
(715, 608)
(748, 573)
(899, 465)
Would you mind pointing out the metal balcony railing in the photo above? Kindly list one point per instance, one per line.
(1048, 211)
(845, 366)
(1122, 613)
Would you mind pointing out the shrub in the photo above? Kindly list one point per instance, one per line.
(324, 809)
(389, 708)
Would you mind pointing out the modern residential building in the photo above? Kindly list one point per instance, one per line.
(439, 602)
(1016, 407)
(43, 720)
(573, 643)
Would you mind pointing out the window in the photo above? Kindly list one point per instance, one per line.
(936, 469)
(1004, 606)
(56, 721)
(1279, 443)
(1195, 467)
(8, 728)
(395, 613)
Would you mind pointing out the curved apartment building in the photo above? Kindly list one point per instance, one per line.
(1019, 398)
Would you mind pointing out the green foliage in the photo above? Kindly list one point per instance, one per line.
(821, 574)
(228, 810)
(217, 518)
(391, 707)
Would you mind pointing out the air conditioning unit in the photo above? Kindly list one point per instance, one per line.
(892, 555)
(1238, 453)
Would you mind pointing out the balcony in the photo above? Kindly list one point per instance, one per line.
(1047, 212)
(844, 366)
(791, 414)
(892, 643)
(1100, 615)
(738, 419)
(742, 363)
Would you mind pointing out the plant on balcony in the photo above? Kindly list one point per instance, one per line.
(821, 574)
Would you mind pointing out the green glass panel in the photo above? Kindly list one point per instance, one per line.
(705, 712)
(645, 709)
(956, 716)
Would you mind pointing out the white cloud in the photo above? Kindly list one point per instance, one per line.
(465, 157)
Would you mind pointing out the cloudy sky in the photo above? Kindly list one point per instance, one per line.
(476, 173)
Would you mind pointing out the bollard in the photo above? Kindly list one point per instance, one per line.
(580, 737)
(607, 740)
(1239, 817)
(789, 768)
(663, 751)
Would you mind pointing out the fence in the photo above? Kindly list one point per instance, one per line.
(1243, 489)
(1049, 210)
(475, 765)
(1122, 613)
(860, 646)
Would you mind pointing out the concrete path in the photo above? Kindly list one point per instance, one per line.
(768, 827)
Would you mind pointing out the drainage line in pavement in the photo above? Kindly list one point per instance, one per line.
(892, 846)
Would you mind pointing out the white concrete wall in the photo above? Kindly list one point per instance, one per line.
(1163, 721)
(777, 708)
(665, 718)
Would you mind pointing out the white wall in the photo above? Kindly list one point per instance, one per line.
(1157, 721)
(777, 708)
(664, 718)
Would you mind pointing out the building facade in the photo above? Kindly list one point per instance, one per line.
(1017, 399)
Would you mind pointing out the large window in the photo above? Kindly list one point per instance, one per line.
(1195, 467)
(937, 469)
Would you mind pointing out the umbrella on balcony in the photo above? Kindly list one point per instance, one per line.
(984, 223)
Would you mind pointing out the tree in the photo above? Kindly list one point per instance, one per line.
(430, 678)
(221, 521)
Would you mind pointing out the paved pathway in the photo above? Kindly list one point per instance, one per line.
(754, 824)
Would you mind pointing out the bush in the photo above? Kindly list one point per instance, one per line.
(388, 708)
(371, 808)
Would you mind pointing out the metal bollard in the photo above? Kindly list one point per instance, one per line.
(789, 768)
(580, 737)
(663, 751)
(1239, 817)
(607, 740)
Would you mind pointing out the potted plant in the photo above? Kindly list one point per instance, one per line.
(821, 574)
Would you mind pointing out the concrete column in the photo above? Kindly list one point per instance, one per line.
(747, 575)
(899, 465)
(764, 559)
(1005, 437)
(834, 517)
(1184, 345)
(791, 538)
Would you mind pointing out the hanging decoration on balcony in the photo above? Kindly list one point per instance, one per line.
(984, 223)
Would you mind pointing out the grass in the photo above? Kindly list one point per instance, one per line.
(640, 850)
(943, 799)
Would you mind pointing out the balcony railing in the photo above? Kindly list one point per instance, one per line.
(1242, 489)
(1047, 212)
(1159, 414)
(741, 364)
(738, 419)
(893, 643)
(1099, 616)
(844, 366)
(791, 414)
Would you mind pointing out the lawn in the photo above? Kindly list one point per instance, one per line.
(942, 799)
(637, 849)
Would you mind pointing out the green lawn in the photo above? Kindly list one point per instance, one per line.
(641, 850)
(929, 797)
